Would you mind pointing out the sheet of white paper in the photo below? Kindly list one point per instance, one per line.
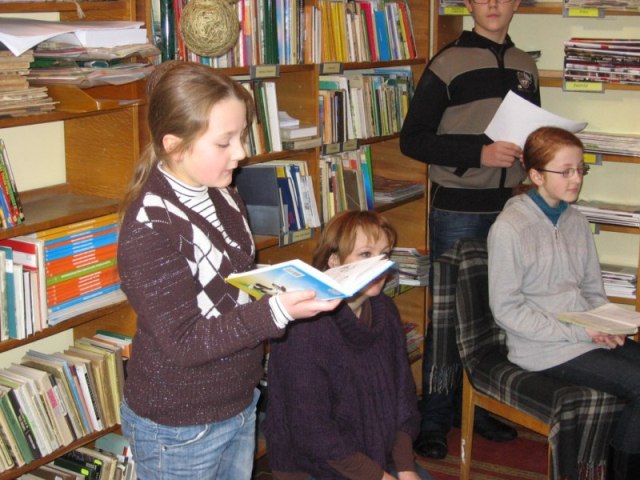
(516, 118)
(21, 34)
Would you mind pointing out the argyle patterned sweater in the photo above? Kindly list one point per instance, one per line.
(197, 351)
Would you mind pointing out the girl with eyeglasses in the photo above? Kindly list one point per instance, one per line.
(542, 261)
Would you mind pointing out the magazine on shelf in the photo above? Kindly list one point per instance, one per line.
(338, 282)
(608, 318)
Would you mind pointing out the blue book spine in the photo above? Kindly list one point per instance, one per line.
(383, 36)
(12, 325)
(83, 246)
(76, 395)
(84, 298)
(54, 241)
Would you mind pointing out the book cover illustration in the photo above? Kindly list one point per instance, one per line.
(339, 282)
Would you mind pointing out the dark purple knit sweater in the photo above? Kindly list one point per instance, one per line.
(198, 347)
(338, 388)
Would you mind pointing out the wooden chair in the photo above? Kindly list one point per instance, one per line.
(471, 399)
(577, 421)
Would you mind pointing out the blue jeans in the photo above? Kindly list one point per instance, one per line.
(445, 229)
(615, 371)
(216, 451)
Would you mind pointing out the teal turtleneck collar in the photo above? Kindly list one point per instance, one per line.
(553, 213)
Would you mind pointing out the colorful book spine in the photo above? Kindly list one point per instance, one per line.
(61, 292)
(77, 227)
(84, 298)
(79, 272)
(83, 246)
(80, 260)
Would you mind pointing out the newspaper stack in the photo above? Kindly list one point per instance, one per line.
(605, 60)
(614, 214)
(628, 145)
(619, 281)
(17, 97)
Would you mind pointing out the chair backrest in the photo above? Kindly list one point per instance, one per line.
(477, 334)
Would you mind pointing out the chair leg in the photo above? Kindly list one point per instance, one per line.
(466, 434)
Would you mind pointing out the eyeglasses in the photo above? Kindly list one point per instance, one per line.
(569, 172)
(484, 2)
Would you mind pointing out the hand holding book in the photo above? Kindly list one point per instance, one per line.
(608, 318)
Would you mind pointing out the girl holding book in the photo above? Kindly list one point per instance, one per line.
(190, 395)
(342, 400)
(543, 261)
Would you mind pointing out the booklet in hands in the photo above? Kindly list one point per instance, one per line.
(338, 282)
(608, 318)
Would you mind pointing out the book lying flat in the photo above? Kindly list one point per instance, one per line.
(338, 282)
(608, 318)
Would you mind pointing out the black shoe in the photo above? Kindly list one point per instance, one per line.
(492, 429)
(431, 445)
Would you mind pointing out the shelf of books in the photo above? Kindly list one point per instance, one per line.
(58, 254)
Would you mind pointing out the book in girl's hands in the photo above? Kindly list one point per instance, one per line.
(608, 318)
(338, 282)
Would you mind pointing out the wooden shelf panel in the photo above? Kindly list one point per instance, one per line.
(605, 227)
(620, 158)
(623, 300)
(54, 206)
(16, 472)
(63, 326)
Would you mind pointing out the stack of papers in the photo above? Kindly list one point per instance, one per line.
(628, 145)
(603, 212)
(21, 34)
(389, 190)
(412, 265)
(619, 281)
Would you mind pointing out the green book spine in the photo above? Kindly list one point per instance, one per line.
(16, 429)
(94, 267)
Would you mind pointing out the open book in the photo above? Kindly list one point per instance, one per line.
(338, 282)
(608, 318)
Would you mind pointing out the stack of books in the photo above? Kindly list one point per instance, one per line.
(11, 212)
(633, 5)
(619, 281)
(80, 266)
(297, 135)
(55, 274)
(48, 401)
(17, 96)
(389, 190)
(614, 144)
(614, 214)
(414, 341)
(413, 266)
(605, 60)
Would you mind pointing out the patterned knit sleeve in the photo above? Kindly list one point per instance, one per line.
(161, 288)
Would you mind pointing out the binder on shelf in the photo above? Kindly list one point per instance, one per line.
(261, 194)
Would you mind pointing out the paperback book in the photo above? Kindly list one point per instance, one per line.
(338, 282)
(608, 318)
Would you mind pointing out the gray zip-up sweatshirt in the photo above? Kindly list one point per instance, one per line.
(537, 269)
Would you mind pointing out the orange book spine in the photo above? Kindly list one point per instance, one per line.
(75, 287)
(72, 262)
